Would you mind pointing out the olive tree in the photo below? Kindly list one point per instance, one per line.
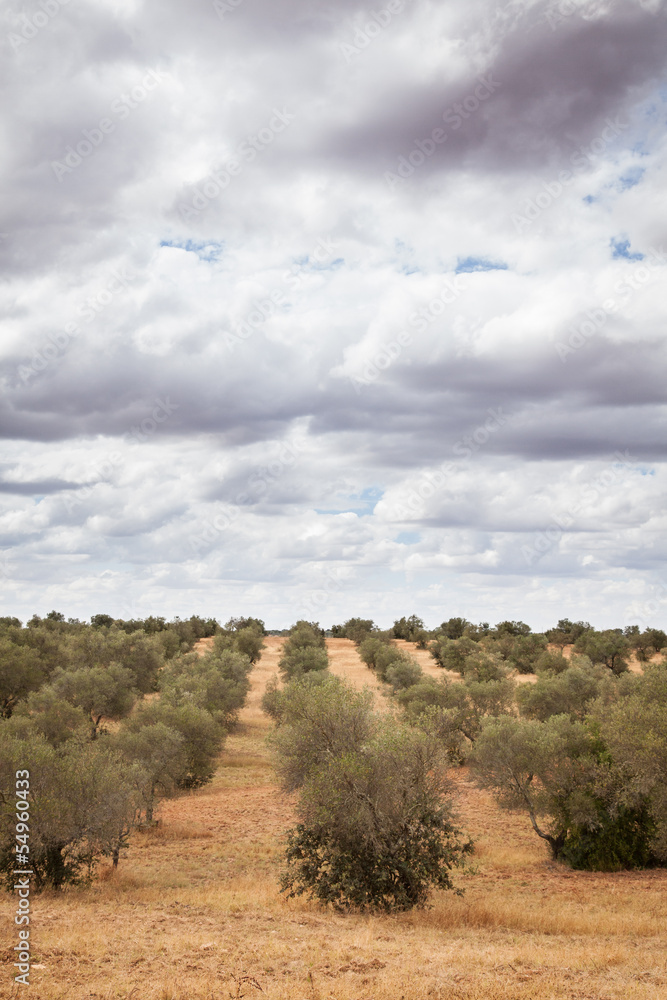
(217, 682)
(304, 651)
(635, 729)
(82, 804)
(375, 831)
(560, 773)
(202, 735)
(451, 654)
(102, 692)
(457, 707)
(568, 693)
(610, 647)
(53, 716)
(160, 753)
(542, 768)
(21, 671)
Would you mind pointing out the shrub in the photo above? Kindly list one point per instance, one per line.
(411, 629)
(82, 805)
(303, 660)
(615, 842)
(371, 645)
(404, 673)
(304, 651)
(375, 831)
(610, 648)
(217, 682)
(569, 693)
(275, 699)
(551, 663)
(451, 654)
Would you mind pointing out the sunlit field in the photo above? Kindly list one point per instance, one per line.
(194, 910)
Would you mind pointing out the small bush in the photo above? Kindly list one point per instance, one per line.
(615, 843)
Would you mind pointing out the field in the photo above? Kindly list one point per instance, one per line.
(194, 909)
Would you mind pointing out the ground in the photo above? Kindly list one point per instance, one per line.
(196, 903)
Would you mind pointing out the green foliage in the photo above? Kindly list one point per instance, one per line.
(303, 660)
(375, 832)
(55, 718)
(512, 628)
(159, 751)
(203, 737)
(454, 628)
(217, 682)
(411, 629)
(319, 722)
(568, 693)
(567, 632)
(304, 633)
(240, 624)
(525, 652)
(101, 621)
(614, 842)
(22, 670)
(304, 652)
(250, 643)
(648, 643)
(100, 647)
(81, 806)
(635, 729)
(275, 700)
(357, 629)
(8, 621)
(561, 769)
(403, 673)
(484, 665)
(610, 648)
(101, 692)
(371, 645)
(551, 663)
(451, 654)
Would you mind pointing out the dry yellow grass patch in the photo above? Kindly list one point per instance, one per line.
(196, 903)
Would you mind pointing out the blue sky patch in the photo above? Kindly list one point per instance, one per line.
(621, 249)
(631, 178)
(468, 264)
(408, 538)
(205, 251)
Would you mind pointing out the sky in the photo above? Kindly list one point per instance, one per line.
(317, 310)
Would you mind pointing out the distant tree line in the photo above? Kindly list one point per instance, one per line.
(109, 717)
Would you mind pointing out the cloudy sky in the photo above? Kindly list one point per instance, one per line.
(317, 309)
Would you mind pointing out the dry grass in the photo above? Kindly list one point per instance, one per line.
(194, 910)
